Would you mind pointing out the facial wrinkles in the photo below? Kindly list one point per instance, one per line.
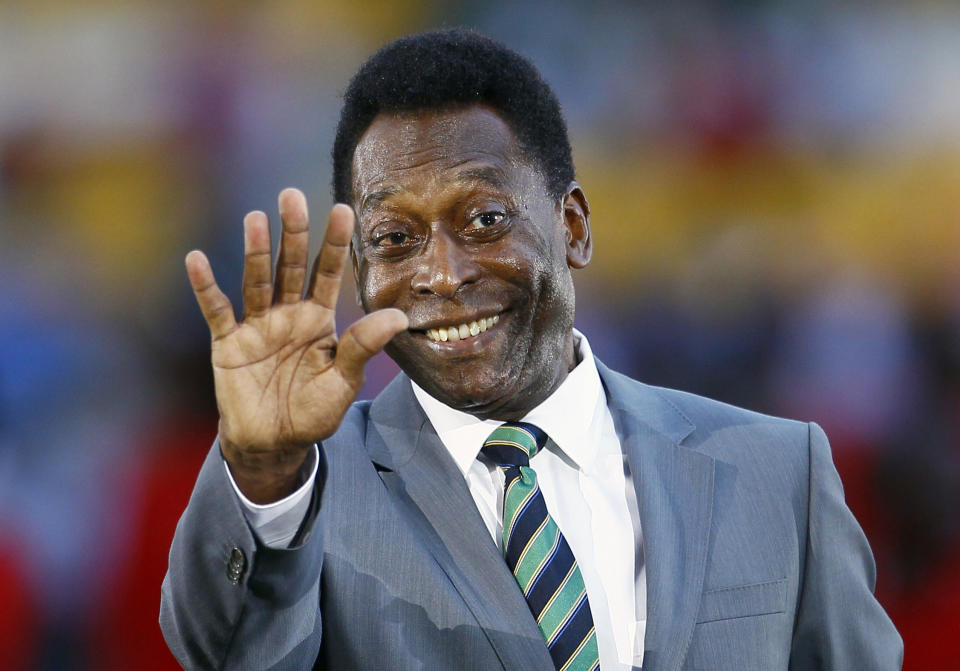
(376, 157)
(478, 175)
(540, 353)
(426, 171)
(557, 356)
(447, 142)
(473, 173)
(535, 356)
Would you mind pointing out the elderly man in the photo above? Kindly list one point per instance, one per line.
(507, 502)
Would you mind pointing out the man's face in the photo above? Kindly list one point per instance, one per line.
(458, 230)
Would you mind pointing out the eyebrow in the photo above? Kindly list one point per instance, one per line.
(487, 174)
(494, 177)
(376, 197)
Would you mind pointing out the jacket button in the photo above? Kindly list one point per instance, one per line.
(236, 565)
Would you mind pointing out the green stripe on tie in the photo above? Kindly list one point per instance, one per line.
(562, 608)
(538, 551)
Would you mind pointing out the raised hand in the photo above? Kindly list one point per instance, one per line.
(283, 382)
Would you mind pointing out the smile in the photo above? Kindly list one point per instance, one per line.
(462, 331)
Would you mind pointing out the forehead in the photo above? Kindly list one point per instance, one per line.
(428, 144)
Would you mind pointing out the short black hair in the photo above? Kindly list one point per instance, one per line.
(448, 69)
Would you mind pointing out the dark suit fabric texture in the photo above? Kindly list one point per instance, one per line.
(753, 560)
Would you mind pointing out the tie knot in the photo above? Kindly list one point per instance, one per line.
(514, 443)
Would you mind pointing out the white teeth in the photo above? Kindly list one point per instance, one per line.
(463, 331)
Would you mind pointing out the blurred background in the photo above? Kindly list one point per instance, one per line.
(776, 208)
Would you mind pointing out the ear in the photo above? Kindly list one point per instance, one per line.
(576, 221)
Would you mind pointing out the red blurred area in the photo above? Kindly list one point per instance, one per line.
(19, 616)
(124, 633)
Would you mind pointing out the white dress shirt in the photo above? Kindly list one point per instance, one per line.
(586, 485)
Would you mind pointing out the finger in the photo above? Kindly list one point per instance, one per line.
(215, 306)
(366, 337)
(328, 269)
(294, 242)
(257, 288)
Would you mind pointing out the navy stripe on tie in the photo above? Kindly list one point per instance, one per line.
(550, 578)
(564, 646)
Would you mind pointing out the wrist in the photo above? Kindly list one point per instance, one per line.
(265, 475)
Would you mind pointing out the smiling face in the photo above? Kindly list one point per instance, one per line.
(457, 229)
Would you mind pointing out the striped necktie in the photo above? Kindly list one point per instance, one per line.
(538, 554)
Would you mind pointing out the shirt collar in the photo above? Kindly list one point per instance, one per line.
(565, 415)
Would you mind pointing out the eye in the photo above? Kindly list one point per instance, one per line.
(485, 220)
(391, 239)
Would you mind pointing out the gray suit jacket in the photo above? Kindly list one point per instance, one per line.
(753, 559)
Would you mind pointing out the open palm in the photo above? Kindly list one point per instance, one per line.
(282, 379)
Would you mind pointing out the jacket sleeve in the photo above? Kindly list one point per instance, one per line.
(839, 624)
(230, 602)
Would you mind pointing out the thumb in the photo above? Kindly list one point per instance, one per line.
(364, 338)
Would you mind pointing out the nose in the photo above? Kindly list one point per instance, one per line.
(444, 266)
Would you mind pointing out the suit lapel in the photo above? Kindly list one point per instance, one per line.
(674, 487)
(433, 496)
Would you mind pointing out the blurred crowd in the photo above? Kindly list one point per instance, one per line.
(775, 190)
